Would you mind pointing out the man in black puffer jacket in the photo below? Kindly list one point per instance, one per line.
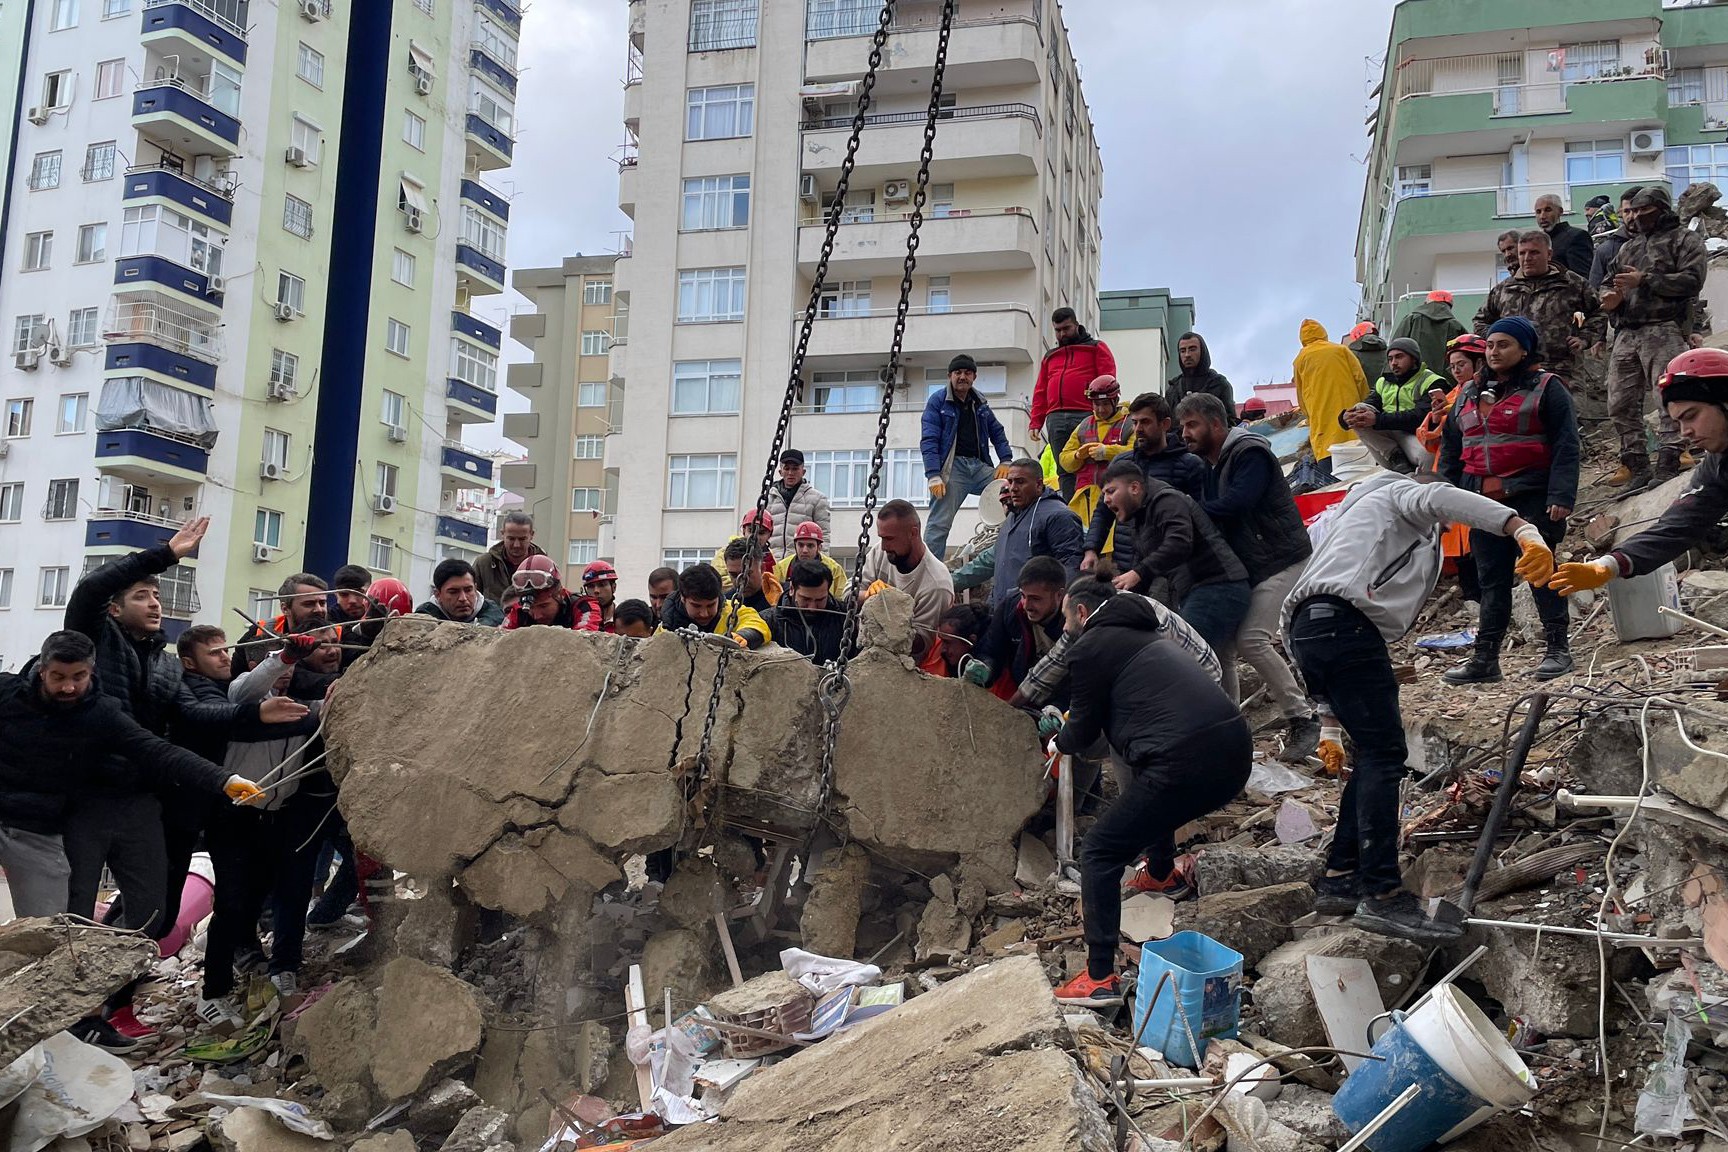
(1159, 451)
(1186, 744)
(808, 619)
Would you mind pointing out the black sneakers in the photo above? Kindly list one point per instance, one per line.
(1399, 913)
(1336, 895)
(1479, 669)
(95, 1030)
(1303, 739)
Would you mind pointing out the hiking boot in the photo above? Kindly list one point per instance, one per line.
(1090, 993)
(94, 1030)
(1667, 466)
(1479, 669)
(1173, 887)
(1303, 739)
(1399, 913)
(1336, 895)
(1627, 473)
(221, 1015)
(125, 1021)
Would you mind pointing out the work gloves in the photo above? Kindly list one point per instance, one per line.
(297, 648)
(1050, 722)
(1570, 578)
(938, 487)
(975, 672)
(242, 791)
(1331, 749)
(1536, 560)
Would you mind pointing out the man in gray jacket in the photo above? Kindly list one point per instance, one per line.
(1362, 589)
(1039, 523)
(792, 502)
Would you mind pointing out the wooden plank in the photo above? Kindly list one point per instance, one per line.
(726, 947)
(636, 1002)
(1348, 998)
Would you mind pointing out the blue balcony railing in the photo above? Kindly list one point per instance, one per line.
(153, 448)
(170, 97)
(181, 189)
(465, 325)
(458, 459)
(463, 392)
(473, 535)
(197, 22)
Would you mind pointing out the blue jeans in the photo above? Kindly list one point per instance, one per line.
(967, 476)
(1216, 611)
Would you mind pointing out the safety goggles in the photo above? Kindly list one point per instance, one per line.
(533, 580)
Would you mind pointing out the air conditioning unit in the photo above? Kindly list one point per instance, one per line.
(38, 115)
(284, 310)
(280, 390)
(807, 189)
(384, 504)
(312, 9)
(215, 286)
(412, 217)
(1647, 142)
(423, 83)
(270, 471)
(261, 553)
(59, 354)
(897, 191)
(27, 360)
(298, 158)
(398, 434)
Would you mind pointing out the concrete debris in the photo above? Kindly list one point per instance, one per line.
(58, 972)
(1252, 922)
(1282, 995)
(397, 1141)
(1223, 868)
(829, 923)
(255, 1130)
(480, 1129)
(438, 1108)
(943, 932)
(886, 622)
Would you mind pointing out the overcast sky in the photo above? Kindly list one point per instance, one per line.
(1232, 136)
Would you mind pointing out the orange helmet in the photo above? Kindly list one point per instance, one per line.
(392, 595)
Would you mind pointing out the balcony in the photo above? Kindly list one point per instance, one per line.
(133, 531)
(179, 120)
(468, 403)
(489, 148)
(159, 182)
(959, 240)
(152, 271)
(481, 196)
(189, 28)
(462, 468)
(158, 322)
(483, 275)
(495, 61)
(462, 324)
(633, 107)
(1005, 333)
(463, 532)
(147, 456)
(128, 359)
(504, 10)
(628, 180)
(1002, 47)
(997, 140)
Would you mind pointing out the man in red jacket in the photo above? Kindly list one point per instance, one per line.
(1059, 400)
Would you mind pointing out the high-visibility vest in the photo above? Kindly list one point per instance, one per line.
(1511, 439)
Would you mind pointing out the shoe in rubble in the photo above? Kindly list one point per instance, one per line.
(1090, 993)
(1476, 670)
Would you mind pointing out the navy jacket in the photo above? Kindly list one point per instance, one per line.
(941, 424)
(1047, 527)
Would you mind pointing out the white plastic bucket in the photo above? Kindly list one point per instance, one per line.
(1633, 605)
(1467, 1047)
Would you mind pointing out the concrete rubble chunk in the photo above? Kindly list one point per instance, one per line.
(885, 622)
(479, 1129)
(336, 1034)
(1548, 981)
(1252, 922)
(943, 933)
(397, 1141)
(429, 1024)
(438, 1108)
(686, 960)
(60, 973)
(1285, 1001)
(255, 1130)
(694, 893)
(829, 923)
(974, 1064)
(1224, 869)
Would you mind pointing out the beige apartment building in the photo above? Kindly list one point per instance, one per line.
(573, 405)
(737, 115)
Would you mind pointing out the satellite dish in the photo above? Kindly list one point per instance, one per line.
(990, 509)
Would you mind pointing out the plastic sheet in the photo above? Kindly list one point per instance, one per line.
(134, 402)
(80, 1086)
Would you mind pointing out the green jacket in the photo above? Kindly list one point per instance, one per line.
(1432, 325)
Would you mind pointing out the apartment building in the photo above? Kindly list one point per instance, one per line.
(1142, 325)
(1485, 107)
(737, 116)
(243, 245)
(573, 404)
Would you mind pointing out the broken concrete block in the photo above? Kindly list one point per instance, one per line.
(1222, 869)
(1282, 995)
(885, 622)
(1252, 922)
(686, 960)
(433, 929)
(693, 893)
(479, 1129)
(943, 933)
(436, 1110)
(336, 1033)
(68, 970)
(255, 1130)
(1003, 938)
(1548, 981)
(829, 922)
(397, 1141)
(429, 1024)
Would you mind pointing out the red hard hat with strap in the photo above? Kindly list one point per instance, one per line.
(393, 595)
(1700, 374)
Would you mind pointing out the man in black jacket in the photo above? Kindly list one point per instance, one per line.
(1198, 375)
(305, 608)
(808, 619)
(1187, 745)
(1573, 247)
(1022, 631)
(456, 596)
(1159, 451)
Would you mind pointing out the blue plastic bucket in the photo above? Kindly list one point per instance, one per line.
(1442, 1105)
(1202, 995)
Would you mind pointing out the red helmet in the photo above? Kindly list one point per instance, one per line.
(599, 572)
(751, 517)
(1470, 343)
(393, 595)
(1697, 374)
(1104, 388)
(535, 573)
(809, 530)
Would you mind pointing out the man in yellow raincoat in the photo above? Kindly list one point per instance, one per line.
(1098, 439)
(1328, 379)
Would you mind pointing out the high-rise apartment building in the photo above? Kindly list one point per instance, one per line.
(1485, 107)
(242, 245)
(1142, 325)
(737, 116)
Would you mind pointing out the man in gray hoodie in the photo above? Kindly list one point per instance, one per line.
(1038, 524)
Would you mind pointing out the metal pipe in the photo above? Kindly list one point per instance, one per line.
(1509, 774)
(1619, 939)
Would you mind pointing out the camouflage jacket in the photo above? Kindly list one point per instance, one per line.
(1674, 262)
(1550, 302)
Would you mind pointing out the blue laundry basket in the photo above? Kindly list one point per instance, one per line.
(1202, 995)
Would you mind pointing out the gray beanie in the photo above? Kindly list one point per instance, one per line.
(1407, 346)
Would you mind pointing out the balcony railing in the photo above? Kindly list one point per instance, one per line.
(862, 20)
(973, 112)
(715, 33)
(503, 53)
(863, 214)
(210, 13)
(843, 312)
(130, 321)
(1506, 76)
(224, 191)
(135, 517)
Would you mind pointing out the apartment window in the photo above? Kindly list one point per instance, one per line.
(847, 298)
(284, 370)
(57, 90)
(1689, 164)
(74, 414)
(584, 499)
(717, 24)
(591, 394)
(291, 290)
(297, 216)
(1589, 60)
(11, 502)
(92, 243)
(425, 6)
(940, 201)
(62, 500)
(98, 162)
(29, 332)
(596, 343)
(110, 79)
(56, 583)
(583, 552)
(5, 587)
(1686, 86)
(483, 232)
(720, 113)
(394, 409)
(267, 528)
(396, 336)
(474, 365)
(38, 250)
(414, 130)
(18, 414)
(275, 449)
(45, 171)
(83, 327)
(855, 390)
(113, 8)
(702, 481)
(589, 448)
(679, 559)
(860, 207)
(381, 556)
(845, 476)
(384, 480)
(306, 136)
(492, 108)
(159, 231)
(1595, 161)
(940, 297)
(64, 15)
(402, 268)
(597, 292)
(825, 19)
(716, 202)
(710, 295)
(1414, 180)
(309, 66)
(706, 387)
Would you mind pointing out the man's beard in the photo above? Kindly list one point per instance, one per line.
(901, 564)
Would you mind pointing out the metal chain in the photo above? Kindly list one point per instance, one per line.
(705, 748)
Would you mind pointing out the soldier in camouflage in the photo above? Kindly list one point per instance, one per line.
(1650, 296)
(1554, 299)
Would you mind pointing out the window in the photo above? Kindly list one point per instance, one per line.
(425, 6)
(179, 591)
(1686, 86)
(381, 555)
(855, 390)
(583, 552)
(291, 290)
(306, 136)
(829, 18)
(716, 202)
(83, 327)
(702, 481)
(1590, 60)
(414, 130)
(5, 587)
(275, 449)
(45, 171)
(860, 206)
(705, 387)
(720, 113)
(591, 394)
(62, 500)
(55, 584)
(1414, 180)
(492, 108)
(941, 200)
(679, 559)
(1595, 161)
(110, 79)
(483, 232)
(297, 217)
(284, 370)
(57, 90)
(92, 243)
(584, 499)
(596, 343)
(710, 295)
(65, 15)
(98, 162)
(29, 332)
(267, 529)
(590, 447)
(1689, 164)
(384, 480)
(11, 502)
(940, 297)
(474, 365)
(263, 602)
(113, 8)
(38, 250)
(160, 231)
(847, 298)
(309, 66)
(597, 292)
(222, 89)
(402, 268)
(396, 336)
(18, 413)
(717, 24)
(394, 409)
(74, 414)
(847, 474)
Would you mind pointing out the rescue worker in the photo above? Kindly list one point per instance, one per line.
(635, 619)
(543, 600)
(516, 544)
(699, 605)
(600, 583)
(1608, 246)
(956, 436)
(807, 545)
(1432, 324)
(1095, 441)
(1387, 418)
(1369, 348)
(760, 590)
(1157, 447)
(1328, 379)
(1059, 396)
(1553, 299)
(456, 596)
(1022, 631)
(1513, 437)
(1038, 524)
(662, 586)
(902, 560)
(809, 619)
(304, 608)
(1465, 356)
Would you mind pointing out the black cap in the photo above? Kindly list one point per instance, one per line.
(1597, 202)
(792, 456)
(962, 362)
